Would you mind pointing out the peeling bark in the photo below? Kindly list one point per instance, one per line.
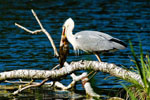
(112, 69)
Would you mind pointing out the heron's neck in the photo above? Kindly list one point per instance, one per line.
(70, 36)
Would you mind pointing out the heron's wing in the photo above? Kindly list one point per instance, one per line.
(93, 41)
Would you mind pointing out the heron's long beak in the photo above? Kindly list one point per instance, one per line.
(63, 32)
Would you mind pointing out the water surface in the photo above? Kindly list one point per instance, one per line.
(123, 19)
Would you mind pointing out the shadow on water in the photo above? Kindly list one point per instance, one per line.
(122, 19)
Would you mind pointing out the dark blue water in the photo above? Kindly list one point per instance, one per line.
(123, 19)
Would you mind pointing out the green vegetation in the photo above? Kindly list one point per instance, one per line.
(142, 63)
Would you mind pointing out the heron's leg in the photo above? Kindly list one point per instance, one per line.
(98, 57)
(94, 72)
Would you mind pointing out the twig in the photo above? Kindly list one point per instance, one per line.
(26, 82)
(55, 66)
(47, 34)
(29, 86)
(41, 30)
(33, 32)
(37, 19)
(20, 82)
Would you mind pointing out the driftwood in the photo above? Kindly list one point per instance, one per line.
(112, 69)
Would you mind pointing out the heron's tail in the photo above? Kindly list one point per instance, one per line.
(118, 44)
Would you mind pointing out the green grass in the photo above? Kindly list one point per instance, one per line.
(142, 63)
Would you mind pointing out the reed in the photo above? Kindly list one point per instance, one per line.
(142, 64)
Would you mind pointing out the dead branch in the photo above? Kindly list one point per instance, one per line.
(112, 69)
(33, 32)
(41, 30)
(57, 84)
(29, 86)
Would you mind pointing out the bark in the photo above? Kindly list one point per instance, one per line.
(112, 69)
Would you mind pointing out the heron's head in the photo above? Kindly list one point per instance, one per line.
(68, 26)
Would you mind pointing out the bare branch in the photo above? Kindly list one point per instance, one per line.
(33, 32)
(20, 82)
(57, 84)
(86, 85)
(29, 86)
(41, 30)
(37, 19)
(112, 69)
(46, 33)
(74, 80)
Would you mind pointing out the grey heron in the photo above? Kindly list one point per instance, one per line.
(91, 41)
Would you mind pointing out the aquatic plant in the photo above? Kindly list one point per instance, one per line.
(142, 64)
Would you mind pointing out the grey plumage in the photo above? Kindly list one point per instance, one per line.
(94, 41)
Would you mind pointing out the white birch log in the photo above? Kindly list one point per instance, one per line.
(112, 69)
